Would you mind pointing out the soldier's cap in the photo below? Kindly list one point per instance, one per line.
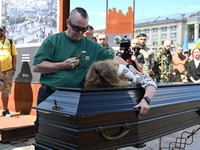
(2, 27)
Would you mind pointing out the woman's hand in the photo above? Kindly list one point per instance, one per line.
(144, 108)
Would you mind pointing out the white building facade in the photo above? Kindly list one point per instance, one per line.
(172, 27)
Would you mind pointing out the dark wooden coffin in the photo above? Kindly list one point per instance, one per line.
(89, 119)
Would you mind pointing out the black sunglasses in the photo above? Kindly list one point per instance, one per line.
(1, 30)
(77, 28)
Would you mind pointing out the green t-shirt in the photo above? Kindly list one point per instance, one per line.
(58, 48)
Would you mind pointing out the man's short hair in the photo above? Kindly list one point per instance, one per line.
(179, 45)
(141, 35)
(90, 28)
(79, 10)
(102, 33)
(167, 41)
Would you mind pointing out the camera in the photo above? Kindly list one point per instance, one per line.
(136, 50)
(124, 44)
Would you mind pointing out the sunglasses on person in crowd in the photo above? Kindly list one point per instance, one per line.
(1, 30)
(77, 28)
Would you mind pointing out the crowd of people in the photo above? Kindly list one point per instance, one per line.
(99, 66)
(163, 66)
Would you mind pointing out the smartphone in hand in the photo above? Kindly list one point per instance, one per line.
(81, 55)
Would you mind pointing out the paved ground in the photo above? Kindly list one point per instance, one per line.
(152, 145)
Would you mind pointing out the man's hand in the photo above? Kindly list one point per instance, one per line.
(13, 71)
(144, 108)
(173, 75)
(131, 68)
(133, 58)
(70, 63)
(47, 67)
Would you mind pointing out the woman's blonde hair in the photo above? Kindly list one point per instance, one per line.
(104, 74)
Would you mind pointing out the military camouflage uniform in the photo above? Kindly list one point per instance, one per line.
(163, 66)
(148, 59)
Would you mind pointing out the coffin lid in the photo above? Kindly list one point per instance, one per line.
(76, 101)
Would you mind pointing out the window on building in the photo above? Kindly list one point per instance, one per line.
(148, 37)
(155, 36)
(173, 28)
(164, 36)
(173, 35)
(174, 42)
(155, 29)
(162, 42)
(146, 30)
(164, 29)
(190, 33)
(155, 43)
(135, 31)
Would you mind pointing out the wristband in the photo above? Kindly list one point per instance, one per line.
(1, 80)
(147, 99)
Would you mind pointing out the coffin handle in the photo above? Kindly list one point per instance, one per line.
(124, 132)
(56, 106)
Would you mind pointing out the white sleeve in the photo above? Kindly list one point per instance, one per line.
(142, 80)
(129, 75)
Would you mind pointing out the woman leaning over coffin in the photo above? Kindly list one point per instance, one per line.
(109, 73)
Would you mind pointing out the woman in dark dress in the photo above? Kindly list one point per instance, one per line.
(194, 67)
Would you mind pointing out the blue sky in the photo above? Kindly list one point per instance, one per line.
(143, 8)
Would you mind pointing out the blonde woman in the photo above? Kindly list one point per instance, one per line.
(109, 73)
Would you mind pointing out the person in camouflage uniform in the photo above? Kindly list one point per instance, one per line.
(163, 67)
(148, 55)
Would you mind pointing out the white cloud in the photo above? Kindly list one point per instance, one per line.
(194, 7)
(100, 27)
(101, 14)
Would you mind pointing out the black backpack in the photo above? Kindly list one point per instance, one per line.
(10, 43)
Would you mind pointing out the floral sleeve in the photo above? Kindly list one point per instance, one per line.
(142, 80)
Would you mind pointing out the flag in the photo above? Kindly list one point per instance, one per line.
(185, 45)
(197, 44)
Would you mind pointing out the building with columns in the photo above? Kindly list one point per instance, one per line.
(158, 29)
(171, 27)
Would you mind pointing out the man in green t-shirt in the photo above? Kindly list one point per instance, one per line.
(56, 58)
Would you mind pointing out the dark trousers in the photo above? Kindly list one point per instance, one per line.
(43, 93)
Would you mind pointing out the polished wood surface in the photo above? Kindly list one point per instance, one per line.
(95, 118)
